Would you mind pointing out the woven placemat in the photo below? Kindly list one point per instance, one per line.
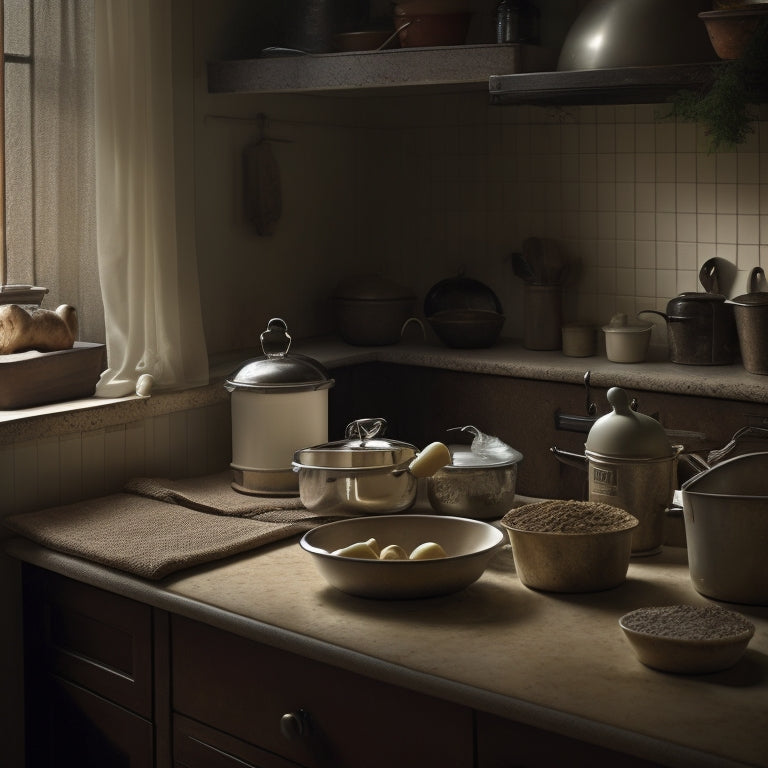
(159, 526)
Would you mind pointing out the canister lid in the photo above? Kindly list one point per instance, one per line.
(625, 433)
(276, 370)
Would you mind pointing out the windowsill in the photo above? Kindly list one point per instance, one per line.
(507, 358)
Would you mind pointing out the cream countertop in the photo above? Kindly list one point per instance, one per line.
(557, 662)
(506, 358)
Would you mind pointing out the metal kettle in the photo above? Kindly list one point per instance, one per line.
(701, 327)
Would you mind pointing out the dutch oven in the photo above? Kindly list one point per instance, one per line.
(371, 310)
(365, 473)
(279, 404)
(701, 328)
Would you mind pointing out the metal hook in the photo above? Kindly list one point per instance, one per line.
(591, 407)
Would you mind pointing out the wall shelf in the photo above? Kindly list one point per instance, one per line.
(455, 68)
(625, 85)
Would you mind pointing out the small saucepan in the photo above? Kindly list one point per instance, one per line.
(365, 473)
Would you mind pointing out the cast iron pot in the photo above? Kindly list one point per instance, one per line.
(751, 310)
(701, 329)
(365, 473)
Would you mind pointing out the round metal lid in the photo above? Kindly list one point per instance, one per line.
(755, 299)
(625, 433)
(463, 457)
(364, 447)
(276, 370)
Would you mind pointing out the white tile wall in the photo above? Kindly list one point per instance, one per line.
(638, 202)
(61, 469)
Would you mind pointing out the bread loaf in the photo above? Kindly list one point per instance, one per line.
(40, 329)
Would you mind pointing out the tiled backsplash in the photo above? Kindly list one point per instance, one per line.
(59, 469)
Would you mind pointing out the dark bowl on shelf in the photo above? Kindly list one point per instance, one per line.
(467, 328)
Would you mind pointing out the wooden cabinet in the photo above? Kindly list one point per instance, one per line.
(91, 698)
(114, 683)
(309, 713)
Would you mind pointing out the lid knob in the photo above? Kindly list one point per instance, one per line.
(626, 433)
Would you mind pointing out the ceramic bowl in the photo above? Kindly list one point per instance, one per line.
(731, 29)
(626, 341)
(469, 545)
(589, 553)
(687, 639)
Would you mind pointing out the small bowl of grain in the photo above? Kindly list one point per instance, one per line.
(687, 639)
(570, 546)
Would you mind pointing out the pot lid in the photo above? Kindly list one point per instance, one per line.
(364, 447)
(463, 457)
(276, 370)
(371, 288)
(621, 324)
(624, 433)
(698, 297)
(754, 299)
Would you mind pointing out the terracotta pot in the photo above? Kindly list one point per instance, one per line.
(731, 30)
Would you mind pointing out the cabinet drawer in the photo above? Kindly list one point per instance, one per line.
(335, 718)
(197, 746)
(94, 638)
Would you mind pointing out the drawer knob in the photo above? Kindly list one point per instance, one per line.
(294, 725)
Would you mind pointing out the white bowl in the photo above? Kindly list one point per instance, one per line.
(469, 545)
(627, 342)
(687, 639)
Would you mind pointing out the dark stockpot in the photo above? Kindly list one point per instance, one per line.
(701, 329)
(752, 325)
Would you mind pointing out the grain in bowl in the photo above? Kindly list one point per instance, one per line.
(570, 546)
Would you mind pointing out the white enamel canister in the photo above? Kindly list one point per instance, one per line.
(279, 405)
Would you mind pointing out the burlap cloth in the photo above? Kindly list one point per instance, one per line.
(159, 526)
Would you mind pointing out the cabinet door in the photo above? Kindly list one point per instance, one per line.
(197, 746)
(505, 744)
(70, 727)
(313, 714)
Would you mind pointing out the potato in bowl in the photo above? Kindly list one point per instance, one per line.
(468, 545)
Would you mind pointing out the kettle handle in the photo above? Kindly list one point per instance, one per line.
(653, 312)
(578, 460)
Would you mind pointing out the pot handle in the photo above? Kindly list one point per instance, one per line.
(653, 312)
(435, 456)
(754, 279)
(365, 429)
(276, 341)
(577, 460)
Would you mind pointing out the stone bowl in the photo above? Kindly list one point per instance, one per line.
(687, 639)
(570, 546)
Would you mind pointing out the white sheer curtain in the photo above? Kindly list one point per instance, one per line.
(149, 287)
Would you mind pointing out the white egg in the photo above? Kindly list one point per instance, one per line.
(393, 552)
(428, 551)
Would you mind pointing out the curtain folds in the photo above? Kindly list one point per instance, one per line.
(149, 286)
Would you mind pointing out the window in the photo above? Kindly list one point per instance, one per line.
(49, 173)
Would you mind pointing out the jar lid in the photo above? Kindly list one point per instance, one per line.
(463, 457)
(371, 288)
(621, 324)
(624, 433)
(276, 370)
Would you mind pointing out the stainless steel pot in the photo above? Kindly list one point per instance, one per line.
(474, 485)
(726, 529)
(364, 473)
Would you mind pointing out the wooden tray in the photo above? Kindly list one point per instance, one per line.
(35, 378)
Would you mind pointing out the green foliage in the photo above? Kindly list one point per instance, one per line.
(725, 110)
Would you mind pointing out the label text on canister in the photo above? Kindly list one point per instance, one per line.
(604, 481)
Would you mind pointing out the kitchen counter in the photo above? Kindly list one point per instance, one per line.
(507, 358)
(557, 662)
